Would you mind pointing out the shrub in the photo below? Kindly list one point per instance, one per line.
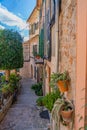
(55, 77)
(37, 86)
(11, 86)
(39, 92)
(3, 78)
(34, 86)
(50, 99)
(40, 101)
(5, 89)
(13, 80)
(38, 89)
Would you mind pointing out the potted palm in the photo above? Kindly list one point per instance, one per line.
(61, 79)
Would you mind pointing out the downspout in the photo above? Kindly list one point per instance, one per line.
(57, 33)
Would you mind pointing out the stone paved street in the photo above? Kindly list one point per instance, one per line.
(24, 115)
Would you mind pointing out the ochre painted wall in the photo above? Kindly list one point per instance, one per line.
(81, 73)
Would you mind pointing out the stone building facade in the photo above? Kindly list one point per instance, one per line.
(67, 41)
(24, 71)
(64, 24)
(60, 42)
(67, 45)
(33, 21)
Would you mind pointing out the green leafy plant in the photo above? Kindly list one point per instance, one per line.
(39, 101)
(13, 80)
(38, 89)
(35, 53)
(10, 86)
(50, 99)
(55, 77)
(5, 89)
(66, 106)
(3, 78)
(39, 92)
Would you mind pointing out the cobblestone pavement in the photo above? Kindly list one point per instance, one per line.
(24, 115)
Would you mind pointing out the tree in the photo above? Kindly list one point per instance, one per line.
(11, 51)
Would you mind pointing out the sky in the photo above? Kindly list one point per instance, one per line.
(14, 14)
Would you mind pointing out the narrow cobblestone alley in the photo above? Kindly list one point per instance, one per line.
(24, 115)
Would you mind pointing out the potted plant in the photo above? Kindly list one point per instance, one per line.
(66, 112)
(61, 79)
(37, 56)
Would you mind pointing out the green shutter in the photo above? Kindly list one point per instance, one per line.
(41, 43)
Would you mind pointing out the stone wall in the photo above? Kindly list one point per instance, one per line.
(5, 108)
(25, 71)
(67, 42)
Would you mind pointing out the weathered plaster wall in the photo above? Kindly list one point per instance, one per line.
(5, 108)
(67, 42)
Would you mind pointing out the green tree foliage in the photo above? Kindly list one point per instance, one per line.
(11, 51)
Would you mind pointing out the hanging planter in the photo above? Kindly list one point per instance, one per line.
(67, 115)
(37, 56)
(63, 85)
(63, 112)
(67, 112)
(62, 80)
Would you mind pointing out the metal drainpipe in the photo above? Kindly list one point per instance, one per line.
(57, 32)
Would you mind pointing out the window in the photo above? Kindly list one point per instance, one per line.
(36, 25)
(33, 28)
(34, 50)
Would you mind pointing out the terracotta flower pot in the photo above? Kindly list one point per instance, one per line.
(63, 85)
(38, 57)
(67, 115)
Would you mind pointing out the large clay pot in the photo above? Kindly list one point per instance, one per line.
(63, 85)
